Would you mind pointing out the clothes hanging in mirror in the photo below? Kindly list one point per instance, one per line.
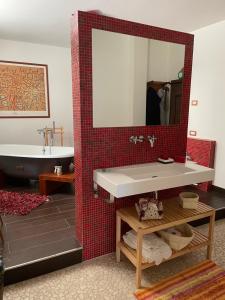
(164, 94)
(152, 107)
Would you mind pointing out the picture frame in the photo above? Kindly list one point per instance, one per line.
(24, 90)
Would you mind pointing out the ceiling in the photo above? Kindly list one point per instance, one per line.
(48, 21)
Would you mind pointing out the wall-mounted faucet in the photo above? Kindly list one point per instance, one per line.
(136, 139)
(139, 139)
(151, 139)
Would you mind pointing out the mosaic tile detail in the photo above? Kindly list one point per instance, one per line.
(110, 147)
(203, 152)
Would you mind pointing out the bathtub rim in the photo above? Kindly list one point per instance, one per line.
(49, 156)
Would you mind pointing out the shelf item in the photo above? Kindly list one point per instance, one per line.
(173, 215)
(198, 242)
(154, 248)
(189, 200)
(175, 241)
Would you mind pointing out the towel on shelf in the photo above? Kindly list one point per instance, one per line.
(154, 249)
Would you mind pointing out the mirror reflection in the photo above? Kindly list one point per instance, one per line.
(136, 81)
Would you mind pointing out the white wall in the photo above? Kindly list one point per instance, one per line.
(176, 60)
(24, 131)
(138, 83)
(111, 63)
(208, 87)
(158, 60)
(165, 60)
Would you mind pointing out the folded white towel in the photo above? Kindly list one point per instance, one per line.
(154, 249)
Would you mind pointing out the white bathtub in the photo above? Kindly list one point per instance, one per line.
(28, 161)
(35, 151)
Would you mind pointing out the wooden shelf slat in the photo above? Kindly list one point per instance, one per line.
(198, 242)
(174, 215)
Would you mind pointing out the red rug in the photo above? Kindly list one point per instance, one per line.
(14, 203)
(205, 280)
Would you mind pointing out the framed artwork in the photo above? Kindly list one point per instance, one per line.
(24, 91)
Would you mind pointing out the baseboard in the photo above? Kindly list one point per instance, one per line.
(41, 267)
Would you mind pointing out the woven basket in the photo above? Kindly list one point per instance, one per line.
(189, 200)
(178, 242)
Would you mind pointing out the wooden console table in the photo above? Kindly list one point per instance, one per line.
(48, 182)
(173, 215)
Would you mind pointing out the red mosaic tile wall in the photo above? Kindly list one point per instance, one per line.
(203, 152)
(110, 147)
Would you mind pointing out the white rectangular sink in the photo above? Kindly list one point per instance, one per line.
(149, 177)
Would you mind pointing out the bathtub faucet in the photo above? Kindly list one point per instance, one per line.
(45, 132)
(51, 144)
(51, 137)
(42, 132)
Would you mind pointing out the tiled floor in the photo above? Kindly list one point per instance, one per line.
(104, 279)
(47, 231)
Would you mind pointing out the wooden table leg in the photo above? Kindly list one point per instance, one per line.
(210, 236)
(43, 187)
(139, 259)
(118, 237)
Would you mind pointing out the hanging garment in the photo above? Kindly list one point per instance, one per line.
(152, 107)
(164, 95)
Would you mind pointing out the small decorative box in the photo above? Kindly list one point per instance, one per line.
(148, 208)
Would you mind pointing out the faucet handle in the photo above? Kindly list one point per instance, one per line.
(133, 139)
(151, 139)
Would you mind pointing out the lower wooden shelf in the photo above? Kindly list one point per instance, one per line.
(198, 242)
(174, 215)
